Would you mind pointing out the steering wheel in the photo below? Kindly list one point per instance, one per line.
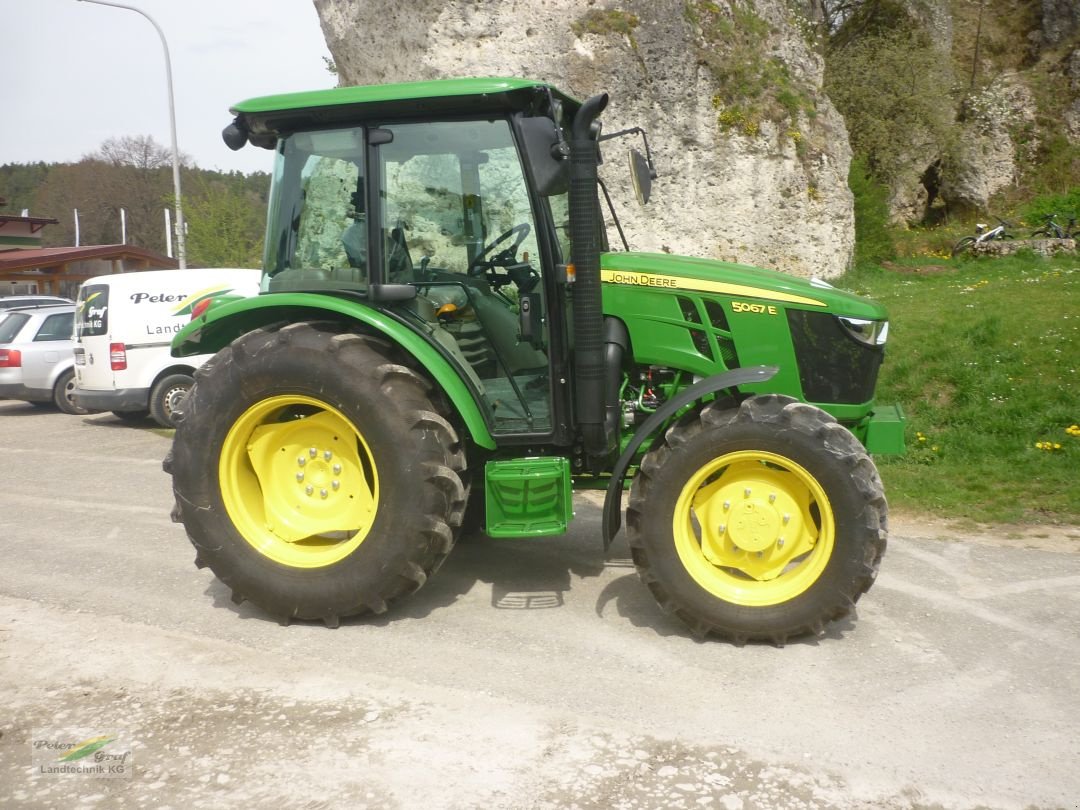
(481, 266)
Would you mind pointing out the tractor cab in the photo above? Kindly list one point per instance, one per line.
(434, 221)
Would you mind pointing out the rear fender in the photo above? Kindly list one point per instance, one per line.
(221, 325)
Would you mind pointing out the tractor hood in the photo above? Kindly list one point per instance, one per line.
(667, 271)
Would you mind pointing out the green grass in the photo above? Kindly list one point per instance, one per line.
(984, 357)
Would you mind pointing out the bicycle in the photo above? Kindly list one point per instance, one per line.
(1051, 230)
(982, 236)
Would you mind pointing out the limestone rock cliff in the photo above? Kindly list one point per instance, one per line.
(1013, 87)
(752, 156)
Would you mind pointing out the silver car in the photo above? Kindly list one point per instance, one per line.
(10, 301)
(37, 355)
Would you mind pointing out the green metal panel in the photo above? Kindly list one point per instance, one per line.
(664, 271)
(885, 430)
(221, 325)
(527, 497)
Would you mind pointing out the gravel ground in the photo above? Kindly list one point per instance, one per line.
(526, 674)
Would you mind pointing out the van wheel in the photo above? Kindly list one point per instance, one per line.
(166, 397)
(62, 394)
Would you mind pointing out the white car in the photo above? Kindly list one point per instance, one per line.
(37, 357)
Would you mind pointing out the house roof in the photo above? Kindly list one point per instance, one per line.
(35, 223)
(54, 260)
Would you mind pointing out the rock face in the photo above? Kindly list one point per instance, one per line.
(1060, 20)
(985, 161)
(762, 182)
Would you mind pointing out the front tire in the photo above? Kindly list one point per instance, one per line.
(315, 473)
(758, 522)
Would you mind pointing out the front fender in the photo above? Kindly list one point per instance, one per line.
(219, 326)
(702, 388)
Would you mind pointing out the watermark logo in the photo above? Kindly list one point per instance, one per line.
(82, 753)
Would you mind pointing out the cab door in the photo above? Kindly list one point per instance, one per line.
(457, 222)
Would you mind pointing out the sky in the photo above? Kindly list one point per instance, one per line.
(73, 74)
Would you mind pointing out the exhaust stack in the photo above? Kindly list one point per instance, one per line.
(588, 312)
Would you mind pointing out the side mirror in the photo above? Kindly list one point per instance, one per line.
(641, 176)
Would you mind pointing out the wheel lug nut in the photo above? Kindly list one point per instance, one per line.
(327, 455)
(787, 519)
(772, 498)
(723, 528)
(309, 489)
(299, 476)
(335, 485)
(780, 543)
(313, 452)
(301, 461)
(337, 469)
(323, 493)
(727, 505)
(746, 492)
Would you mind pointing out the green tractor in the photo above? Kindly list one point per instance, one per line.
(444, 339)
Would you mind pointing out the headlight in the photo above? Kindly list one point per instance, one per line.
(872, 333)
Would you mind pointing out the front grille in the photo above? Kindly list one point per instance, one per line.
(834, 367)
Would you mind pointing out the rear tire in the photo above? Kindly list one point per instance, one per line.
(62, 394)
(347, 529)
(758, 522)
(166, 396)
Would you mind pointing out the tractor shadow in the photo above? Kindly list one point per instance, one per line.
(533, 574)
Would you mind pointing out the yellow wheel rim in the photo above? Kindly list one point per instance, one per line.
(754, 528)
(298, 481)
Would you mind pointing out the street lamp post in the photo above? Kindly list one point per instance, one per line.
(181, 248)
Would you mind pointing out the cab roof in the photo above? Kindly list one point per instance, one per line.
(269, 116)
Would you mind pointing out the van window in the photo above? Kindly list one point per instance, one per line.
(92, 311)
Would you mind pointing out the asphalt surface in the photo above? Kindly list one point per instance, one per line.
(526, 674)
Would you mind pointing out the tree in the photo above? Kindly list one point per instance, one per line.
(137, 151)
(225, 218)
(893, 89)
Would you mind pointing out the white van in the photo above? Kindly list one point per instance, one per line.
(124, 325)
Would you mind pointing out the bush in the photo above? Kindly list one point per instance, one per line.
(873, 241)
(1064, 205)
